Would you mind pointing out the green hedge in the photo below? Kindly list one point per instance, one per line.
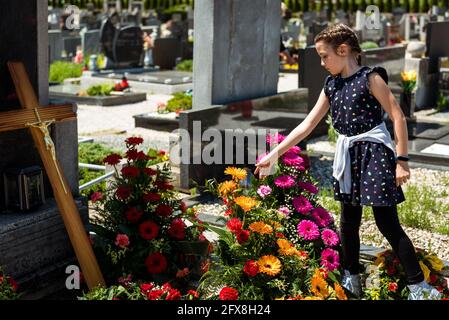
(61, 70)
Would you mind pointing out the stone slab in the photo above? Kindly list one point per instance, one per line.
(443, 140)
(418, 144)
(156, 121)
(31, 242)
(437, 148)
(68, 92)
(428, 130)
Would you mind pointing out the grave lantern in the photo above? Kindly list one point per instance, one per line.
(24, 188)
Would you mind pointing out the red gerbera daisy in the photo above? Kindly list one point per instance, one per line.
(123, 192)
(151, 197)
(133, 215)
(164, 210)
(113, 159)
(177, 229)
(156, 263)
(148, 230)
(134, 141)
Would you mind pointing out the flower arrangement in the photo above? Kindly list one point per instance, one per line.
(130, 290)
(408, 81)
(8, 287)
(386, 279)
(139, 221)
(279, 243)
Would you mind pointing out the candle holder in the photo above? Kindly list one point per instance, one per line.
(24, 188)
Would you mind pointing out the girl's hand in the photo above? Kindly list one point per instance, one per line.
(402, 172)
(265, 165)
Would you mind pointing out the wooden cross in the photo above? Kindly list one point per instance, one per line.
(38, 119)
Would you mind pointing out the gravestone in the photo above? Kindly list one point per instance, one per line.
(166, 52)
(70, 45)
(123, 46)
(311, 74)
(54, 45)
(90, 41)
(235, 59)
(34, 246)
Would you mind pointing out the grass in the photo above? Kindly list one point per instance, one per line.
(421, 210)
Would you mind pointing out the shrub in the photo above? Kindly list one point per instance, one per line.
(179, 102)
(368, 45)
(100, 90)
(61, 70)
(8, 287)
(186, 65)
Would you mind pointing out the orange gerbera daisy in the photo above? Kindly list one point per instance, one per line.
(236, 173)
(286, 248)
(260, 227)
(269, 265)
(246, 203)
(339, 292)
(275, 224)
(319, 285)
(226, 188)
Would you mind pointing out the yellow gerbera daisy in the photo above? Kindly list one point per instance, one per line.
(312, 298)
(226, 187)
(260, 227)
(275, 224)
(425, 270)
(435, 262)
(286, 248)
(269, 265)
(236, 173)
(339, 292)
(246, 203)
(319, 285)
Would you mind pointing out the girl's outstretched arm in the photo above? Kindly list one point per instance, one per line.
(383, 94)
(298, 134)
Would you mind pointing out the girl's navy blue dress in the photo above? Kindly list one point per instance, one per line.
(373, 165)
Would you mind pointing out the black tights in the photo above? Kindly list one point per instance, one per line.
(388, 223)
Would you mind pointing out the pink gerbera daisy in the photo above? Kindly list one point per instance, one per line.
(308, 230)
(308, 187)
(292, 160)
(330, 238)
(302, 205)
(322, 217)
(330, 259)
(284, 210)
(284, 182)
(294, 150)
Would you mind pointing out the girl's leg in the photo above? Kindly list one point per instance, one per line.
(388, 223)
(350, 219)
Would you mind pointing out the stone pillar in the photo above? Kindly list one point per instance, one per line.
(235, 50)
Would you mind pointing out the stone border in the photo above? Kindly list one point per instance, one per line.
(104, 101)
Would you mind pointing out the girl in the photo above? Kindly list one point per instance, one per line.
(366, 170)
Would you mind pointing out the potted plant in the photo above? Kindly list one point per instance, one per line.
(407, 97)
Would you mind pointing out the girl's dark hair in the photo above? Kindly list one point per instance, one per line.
(339, 34)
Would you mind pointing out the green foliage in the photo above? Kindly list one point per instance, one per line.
(8, 287)
(442, 103)
(369, 45)
(100, 90)
(332, 135)
(61, 70)
(92, 153)
(423, 210)
(185, 65)
(180, 101)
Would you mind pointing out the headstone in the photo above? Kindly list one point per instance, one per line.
(311, 74)
(55, 46)
(90, 41)
(166, 52)
(70, 45)
(124, 46)
(230, 62)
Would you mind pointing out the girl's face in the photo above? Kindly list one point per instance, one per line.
(330, 60)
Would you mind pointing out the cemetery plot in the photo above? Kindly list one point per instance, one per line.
(71, 93)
